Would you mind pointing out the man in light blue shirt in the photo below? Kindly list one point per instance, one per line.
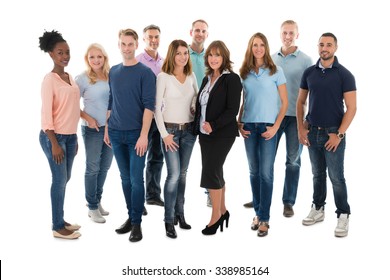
(199, 33)
(294, 62)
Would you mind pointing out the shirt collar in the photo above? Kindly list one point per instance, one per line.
(295, 53)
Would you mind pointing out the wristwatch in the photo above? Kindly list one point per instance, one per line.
(340, 135)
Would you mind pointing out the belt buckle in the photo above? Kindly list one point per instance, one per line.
(182, 126)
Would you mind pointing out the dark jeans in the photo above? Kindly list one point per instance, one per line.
(131, 168)
(154, 164)
(322, 160)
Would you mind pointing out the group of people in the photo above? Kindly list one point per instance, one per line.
(152, 109)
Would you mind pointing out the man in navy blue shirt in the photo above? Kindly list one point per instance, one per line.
(329, 86)
(130, 113)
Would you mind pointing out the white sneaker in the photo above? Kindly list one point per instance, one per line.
(314, 216)
(102, 211)
(342, 226)
(96, 216)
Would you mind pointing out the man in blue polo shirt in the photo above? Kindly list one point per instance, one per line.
(329, 86)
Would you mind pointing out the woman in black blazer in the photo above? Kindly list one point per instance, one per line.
(217, 107)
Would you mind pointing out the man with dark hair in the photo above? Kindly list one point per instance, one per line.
(329, 86)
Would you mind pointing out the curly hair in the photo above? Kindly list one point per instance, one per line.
(49, 39)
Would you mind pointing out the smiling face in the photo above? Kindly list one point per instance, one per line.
(288, 35)
(152, 39)
(327, 47)
(199, 33)
(181, 57)
(127, 45)
(96, 59)
(258, 48)
(215, 59)
(60, 54)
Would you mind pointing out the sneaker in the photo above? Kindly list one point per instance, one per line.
(96, 216)
(255, 223)
(209, 204)
(288, 211)
(342, 226)
(314, 216)
(102, 211)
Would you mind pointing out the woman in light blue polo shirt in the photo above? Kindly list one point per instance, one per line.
(94, 90)
(264, 106)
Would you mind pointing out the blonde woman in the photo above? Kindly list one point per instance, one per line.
(95, 92)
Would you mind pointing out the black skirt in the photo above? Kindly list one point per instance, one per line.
(214, 152)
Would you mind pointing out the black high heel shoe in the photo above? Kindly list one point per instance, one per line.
(226, 217)
(182, 222)
(210, 230)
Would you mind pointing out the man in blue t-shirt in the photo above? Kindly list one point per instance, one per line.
(129, 115)
(329, 86)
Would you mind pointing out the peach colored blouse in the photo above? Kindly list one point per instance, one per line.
(60, 104)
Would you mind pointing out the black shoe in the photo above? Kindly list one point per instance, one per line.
(145, 212)
(209, 230)
(125, 228)
(248, 204)
(226, 217)
(182, 222)
(288, 211)
(136, 233)
(170, 230)
(155, 201)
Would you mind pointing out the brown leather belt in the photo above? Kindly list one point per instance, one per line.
(178, 126)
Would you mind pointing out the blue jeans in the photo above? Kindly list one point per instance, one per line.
(98, 161)
(321, 159)
(131, 169)
(293, 158)
(154, 163)
(177, 165)
(61, 173)
(261, 157)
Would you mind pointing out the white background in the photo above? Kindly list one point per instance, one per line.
(27, 248)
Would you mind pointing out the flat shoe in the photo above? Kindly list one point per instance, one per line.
(73, 235)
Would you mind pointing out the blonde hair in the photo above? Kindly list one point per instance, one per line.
(106, 66)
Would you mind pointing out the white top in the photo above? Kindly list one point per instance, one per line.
(174, 101)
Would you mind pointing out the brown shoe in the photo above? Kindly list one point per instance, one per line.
(288, 211)
(248, 204)
(72, 227)
(263, 229)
